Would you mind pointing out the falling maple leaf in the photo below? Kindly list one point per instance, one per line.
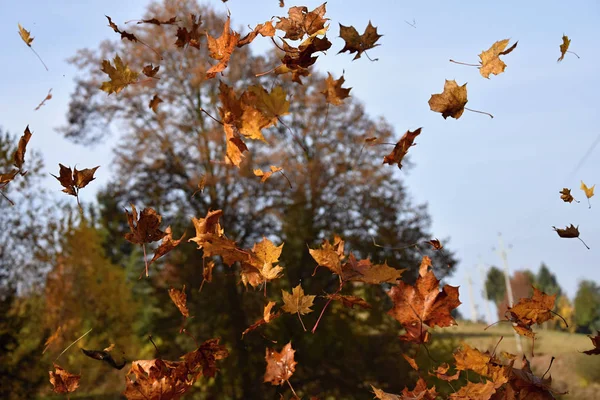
(189, 37)
(355, 43)
(73, 181)
(266, 175)
(596, 343)
(420, 392)
(104, 355)
(564, 47)
(124, 34)
(153, 105)
(334, 92)
(301, 22)
(267, 317)
(529, 311)
(63, 381)
(411, 361)
(263, 257)
(145, 230)
(401, 148)
(441, 372)
(483, 363)
(525, 384)
(166, 245)
(154, 21)
(566, 196)
(474, 390)
(570, 232)
(272, 105)
(52, 339)
(435, 243)
(43, 102)
(297, 301)
(280, 365)
(150, 70)
(120, 76)
(297, 60)
(589, 192)
(220, 49)
(18, 161)
(422, 305)
(490, 59)
(451, 102)
(28, 39)
(265, 30)
(179, 298)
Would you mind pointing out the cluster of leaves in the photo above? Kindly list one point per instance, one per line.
(572, 231)
(243, 115)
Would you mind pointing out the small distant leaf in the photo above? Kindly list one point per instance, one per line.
(564, 47)
(166, 245)
(334, 92)
(154, 21)
(451, 102)
(180, 299)
(75, 180)
(589, 191)
(53, 338)
(411, 361)
(435, 243)
(48, 97)
(356, 43)
(401, 148)
(566, 196)
(25, 35)
(150, 70)
(120, 76)
(266, 175)
(19, 155)
(155, 102)
(349, 301)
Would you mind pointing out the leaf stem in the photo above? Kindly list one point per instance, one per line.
(325, 307)
(69, 346)
(39, 58)
(588, 247)
(572, 52)
(480, 112)
(293, 391)
(213, 118)
(462, 63)
(9, 200)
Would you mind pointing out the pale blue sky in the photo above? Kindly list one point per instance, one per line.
(480, 176)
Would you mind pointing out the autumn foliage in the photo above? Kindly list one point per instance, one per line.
(244, 113)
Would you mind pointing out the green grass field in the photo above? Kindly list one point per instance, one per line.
(571, 370)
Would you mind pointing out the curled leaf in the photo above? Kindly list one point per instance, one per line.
(451, 102)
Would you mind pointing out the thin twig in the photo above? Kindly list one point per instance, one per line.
(9, 200)
(69, 346)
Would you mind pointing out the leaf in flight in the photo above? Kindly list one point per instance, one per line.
(401, 148)
(356, 43)
(451, 102)
(280, 365)
(220, 49)
(334, 92)
(490, 59)
(120, 76)
(301, 22)
(297, 301)
(564, 47)
(63, 381)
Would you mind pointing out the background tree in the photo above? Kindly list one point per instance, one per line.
(521, 283)
(546, 281)
(587, 307)
(338, 186)
(495, 285)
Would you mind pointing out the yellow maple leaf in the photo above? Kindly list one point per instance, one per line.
(120, 76)
(490, 59)
(274, 104)
(297, 301)
(589, 192)
(266, 175)
(25, 35)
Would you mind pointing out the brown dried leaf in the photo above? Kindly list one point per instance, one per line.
(451, 102)
(569, 232)
(401, 148)
(221, 49)
(150, 70)
(349, 301)
(48, 97)
(19, 155)
(166, 245)
(63, 381)
(189, 37)
(146, 229)
(265, 30)
(564, 47)
(280, 365)
(124, 34)
(334, 92)
(180, 299)
(154, 103)
(356, 43)
(596, 343)
(301, 22)
(566, 196)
